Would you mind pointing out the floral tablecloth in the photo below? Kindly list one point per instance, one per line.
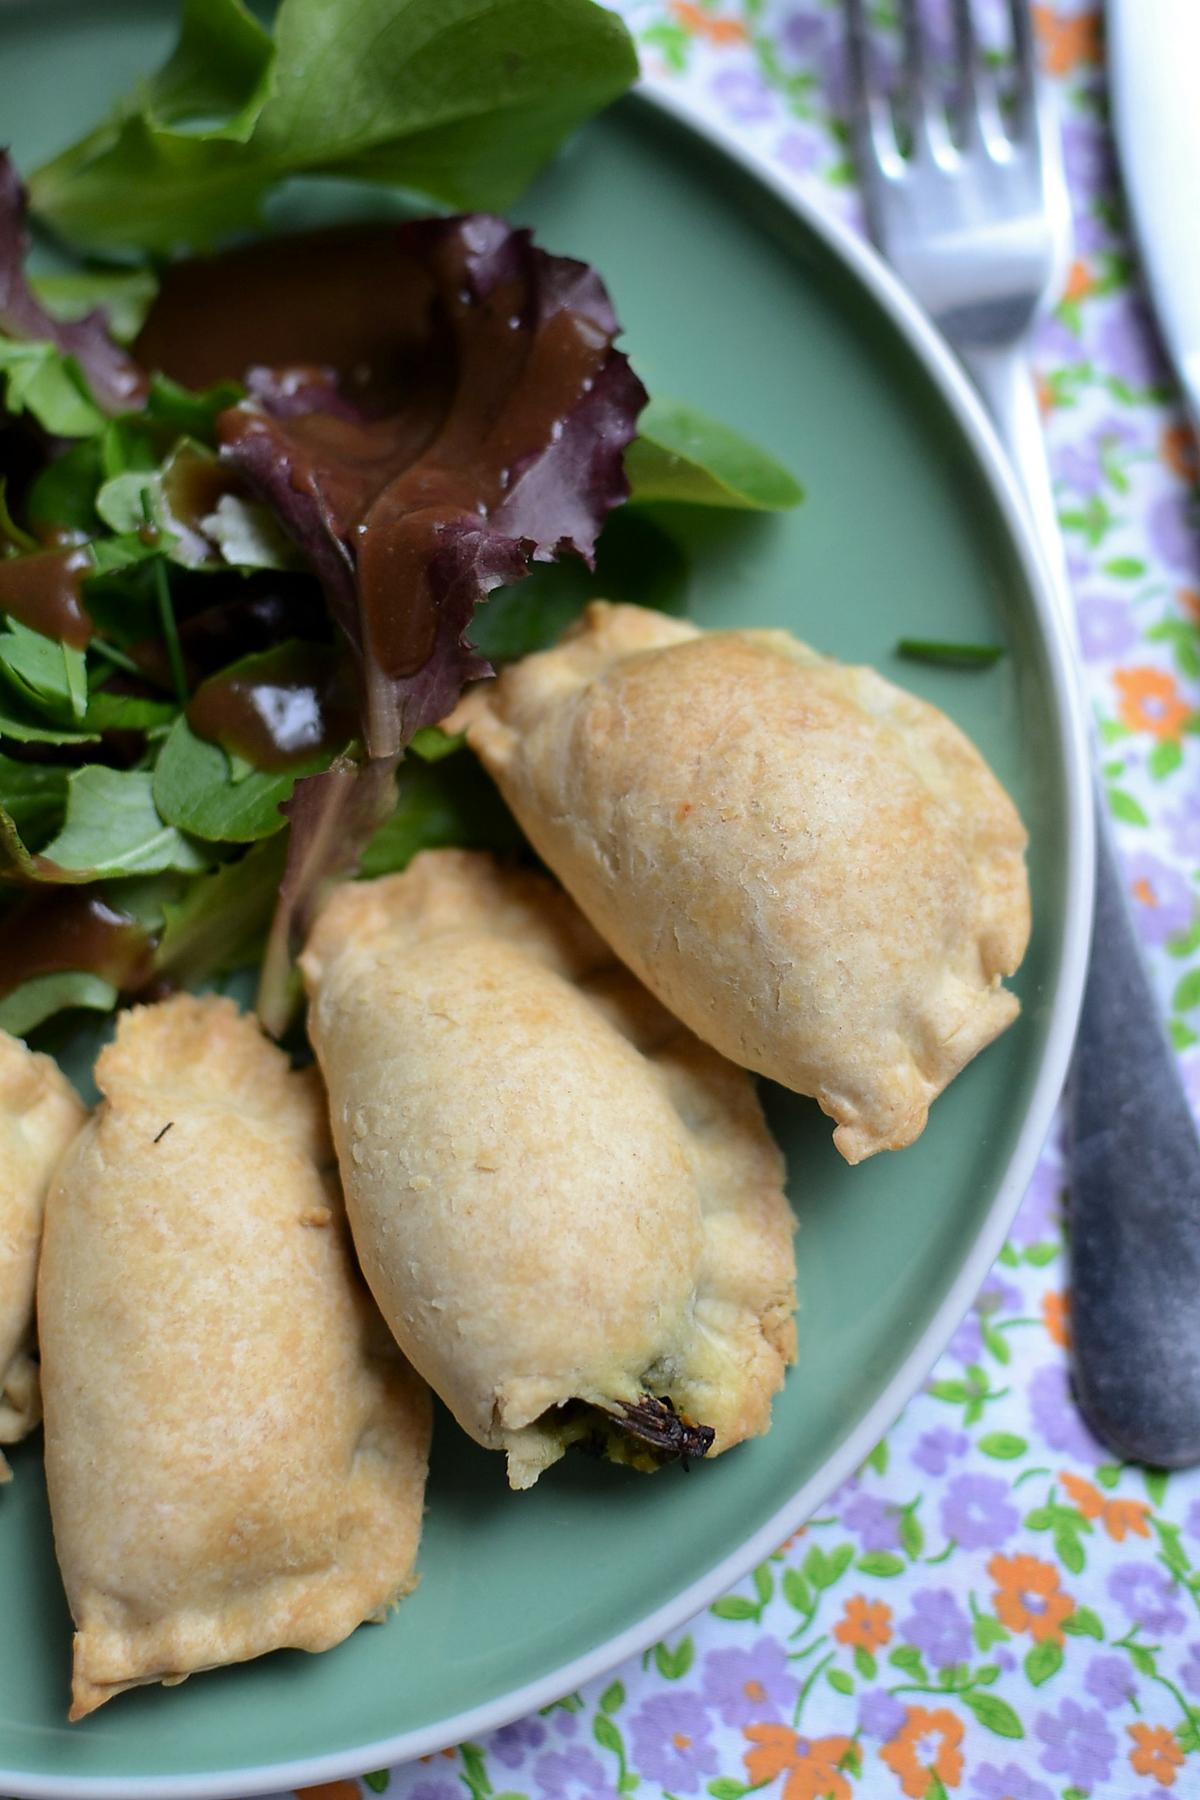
(991, 1607)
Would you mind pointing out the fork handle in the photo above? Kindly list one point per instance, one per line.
(1134, 1152)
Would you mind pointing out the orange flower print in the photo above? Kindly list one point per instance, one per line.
(1045, 395)
(720, 32)
(1157, 1753)
(1080, 281)
(1150, 701)
(1067, 42)
(1123, 1516)
(1181, 453)
(1189, 599)
(1055, 1311)
(329, 1790)
(1027, 1597)
(1087, 1498)
(867, 1624)
(925, 1746)
(811, 1764)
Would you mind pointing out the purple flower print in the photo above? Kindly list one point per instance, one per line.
(1189, 1671)
(874, 1522)
(880, 1714)
(1164, 901)
(434, 1790)
(575, 1774)
(1008, 1783)
(1191, 1523)
(935, 1449)
(1081, 465)
(671, 1741)
(1093, 233)
(511, 1742)
(565, 1723)
(1109, 1679)
(1106, 627)
(1148, 1595)
(1088, 157)
(1056, 344)
(1038, 1221)
(938, 1626)
(966, 1346)
(799, 150)
(1004, 1659)
(1054, 1417)
(1183, 823)
(1127, 344)
(997, 1295)
(750, 1687)
(977, 1512)
(806, 35)
(743, 94)
(1078, 1744)
(1172, 524)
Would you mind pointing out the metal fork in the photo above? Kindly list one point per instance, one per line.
(968, 203)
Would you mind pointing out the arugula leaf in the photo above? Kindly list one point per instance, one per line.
(63, 494)
(44, 995)
(128, 712)
(34, 795)
(44, 673)
(637, 560)
(196, 789)
(25, 725)
(681, 454)
(190, 413)
(113, 828)
(40, 380)
(454, 804)
(961, 656)
(462, 100)
(221, 922)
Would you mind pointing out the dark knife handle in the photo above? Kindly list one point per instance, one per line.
(1134, 1202)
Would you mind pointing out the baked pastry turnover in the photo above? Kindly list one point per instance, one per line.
(40, 1113)
(235, 1452)
(816, 872)
(570, 1211)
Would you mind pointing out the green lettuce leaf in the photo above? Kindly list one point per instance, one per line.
(112, 827)
(452, 803)
(459, 100)
(198, 789)
(50, 387)
(681, 454)
(221, 922)
(44, 673)
(39, 999)
(34, 795)
(124, 296)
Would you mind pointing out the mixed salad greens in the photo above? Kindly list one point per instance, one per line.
(251, 499)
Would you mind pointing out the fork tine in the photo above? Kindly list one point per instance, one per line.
(875, 139)
(919, 96)
(977, 111)
(1024, 64)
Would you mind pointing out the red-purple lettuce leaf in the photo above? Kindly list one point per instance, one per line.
(333, 817)
(116, 382)
(504, 445)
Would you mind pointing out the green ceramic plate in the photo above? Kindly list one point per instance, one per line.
(734, 297)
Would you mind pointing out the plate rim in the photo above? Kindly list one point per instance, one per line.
(1073, 754)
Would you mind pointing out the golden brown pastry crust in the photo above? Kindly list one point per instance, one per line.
(235, 1453)
(40, 1113)
(556, 1193)
(815, 871)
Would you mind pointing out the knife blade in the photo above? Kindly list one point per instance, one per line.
(1154, 75)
